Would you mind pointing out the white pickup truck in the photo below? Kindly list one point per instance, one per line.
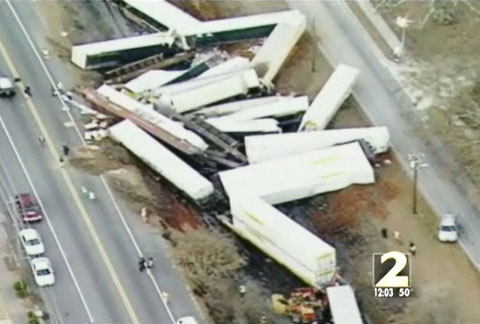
(7, 87)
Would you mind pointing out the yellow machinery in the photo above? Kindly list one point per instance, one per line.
(303, 305)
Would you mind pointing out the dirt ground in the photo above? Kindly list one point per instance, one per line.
(386, 204)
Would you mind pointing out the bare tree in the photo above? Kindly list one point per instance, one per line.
(206, 256)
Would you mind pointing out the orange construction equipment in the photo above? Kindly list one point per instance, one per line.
(303, 305)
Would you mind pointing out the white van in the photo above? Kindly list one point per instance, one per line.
(7, 88)
(187, 320)
(447, 232)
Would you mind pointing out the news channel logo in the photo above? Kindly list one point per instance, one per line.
(392, 274)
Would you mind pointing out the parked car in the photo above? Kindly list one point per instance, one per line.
(42, 271)
(32, 242)
(7, 88)
(28, 208)
(447, 231)
(187, 320)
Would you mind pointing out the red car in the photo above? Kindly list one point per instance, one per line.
(28, 208)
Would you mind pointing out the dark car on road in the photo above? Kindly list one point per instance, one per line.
(28, 208)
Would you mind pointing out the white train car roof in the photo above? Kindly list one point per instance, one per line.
(305, 256)
(267, 147)
(206, 94)
(249, 76)
(245, 22)
(151, 80)
(159, 158)
(236, 106)
(330, 98)
(284, 107)
(264, 125)
(232, 65)
(165, 13)
(273, 53)
(301, 176)
(343, 305)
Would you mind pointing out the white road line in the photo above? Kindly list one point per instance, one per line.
(47, 219)
(77, 130)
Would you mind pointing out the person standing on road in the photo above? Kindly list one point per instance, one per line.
(28, 91)
(384, 233)
(41, 139)
(150, 263)
(396, 235)
(66, 149)
(141, 264)
(412, 248)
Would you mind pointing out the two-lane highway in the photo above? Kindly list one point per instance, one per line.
(101, 239)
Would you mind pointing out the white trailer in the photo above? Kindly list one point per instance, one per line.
(301, 176)
(236, 106)
(249, 76)
(275, 50)
(164, 13)
(268, 147)
(147, 113)
(284, 107)
(160, 159)
(330, 98)
(227, 25)
(264, 125)
(113, 52)
(303, 253)
(227, 87)
(235, 64)
(343, 305)
(151, 80)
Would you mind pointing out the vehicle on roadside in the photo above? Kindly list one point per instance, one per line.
(187, 320)
(7, 87)
(447, 231)
(42, 271)
(32, 242)
(28, 208)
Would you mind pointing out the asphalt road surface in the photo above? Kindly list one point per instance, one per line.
(95, 255)
(343, 40)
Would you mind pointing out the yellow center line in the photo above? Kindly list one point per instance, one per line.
(76, 197)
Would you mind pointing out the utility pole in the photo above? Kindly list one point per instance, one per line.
(403, 23)
(416, 162)
(314, 44)
(415, 177)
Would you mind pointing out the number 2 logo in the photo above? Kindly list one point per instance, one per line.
(392, 277)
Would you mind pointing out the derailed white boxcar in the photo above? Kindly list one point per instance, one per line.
(330, 98)
(270, 57)
(152, 79)
(226, 25)
(301, 176)
(160, 159)
(221, 89)
(307, 256)
(116, 51)
(236, 106)
(267, 147)
(264, 125)
(284, 107)
(343, 305)
(249, 76)
(232, 65)
(165, 13)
